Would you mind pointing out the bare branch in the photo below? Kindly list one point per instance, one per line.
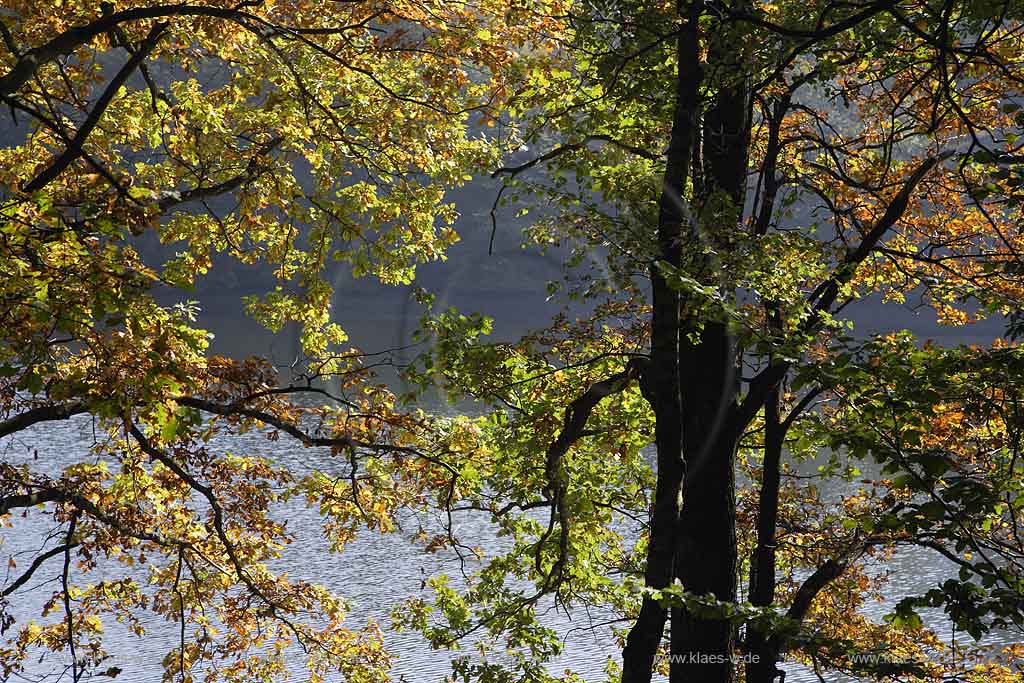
(36, 564)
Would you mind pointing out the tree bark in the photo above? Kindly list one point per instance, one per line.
(663, 388)
(762, 665)
(702, 648)
(706, 540)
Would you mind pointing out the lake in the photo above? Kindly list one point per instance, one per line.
(375, 571)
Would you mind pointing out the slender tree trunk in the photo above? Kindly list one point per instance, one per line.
(762, 665)
(662, 387)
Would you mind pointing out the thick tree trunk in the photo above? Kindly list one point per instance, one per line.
(693, 383)
(706, 542)
(702, 649)
(662, 387)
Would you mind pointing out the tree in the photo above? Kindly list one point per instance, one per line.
(741, 174)
(728, 178)
(283, 135)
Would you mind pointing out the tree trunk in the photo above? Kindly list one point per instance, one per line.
(762, 665)
(706, 542)
(702, 648)
(662, 387)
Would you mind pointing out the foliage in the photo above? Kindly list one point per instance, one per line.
(878, 152)
(283, 136)
(882, 149)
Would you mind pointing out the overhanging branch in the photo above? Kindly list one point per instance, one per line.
(573, 429)
(41, 414)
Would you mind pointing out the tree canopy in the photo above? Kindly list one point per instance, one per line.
(727, 182)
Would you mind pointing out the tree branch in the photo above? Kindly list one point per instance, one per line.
(273, 606)
(67, 42)
(813, 585)
(252, 170)
(27, 500)
(822, 298)
(74, 149)
(821, 32)
(50, 494)
(36, 564)
(41, 414)
(573, 429)
(574, 147)
(230, 410)
(76, 672)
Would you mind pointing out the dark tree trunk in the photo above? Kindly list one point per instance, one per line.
(702, 648)
(706, 542)
(692, 384)
(761, 666)
(662, 387)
